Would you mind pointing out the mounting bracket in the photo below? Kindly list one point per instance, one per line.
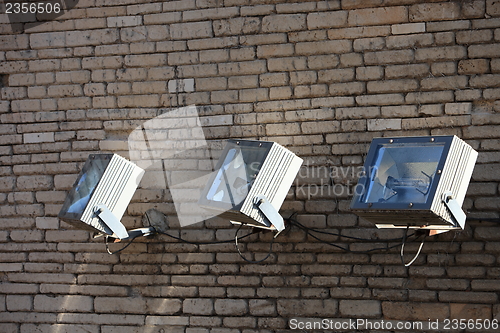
(270, 213)
(456, 211)
(111, 221)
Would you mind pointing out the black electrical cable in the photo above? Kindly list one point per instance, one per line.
(248, 260)
(123, 248)
(300, 225)
(202, 243)
(401, 253)
(292, 221)
(309, 230)
(195, 243)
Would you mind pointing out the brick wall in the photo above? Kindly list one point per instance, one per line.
(322, 78)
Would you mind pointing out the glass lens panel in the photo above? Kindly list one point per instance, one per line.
(402, 173)
(87, 181)
(237, 174)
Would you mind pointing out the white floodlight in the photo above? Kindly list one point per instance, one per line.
(250, 183)
(415, 182)
(101, 195)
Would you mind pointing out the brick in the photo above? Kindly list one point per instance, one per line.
(136, 35)
(474, 9)
(100, 63)
(336, 75)
(409, 41)
(243, 68)
(322, 61)
(283, 23)
(205, 56)
(191, 30)
(91, 37)
(450, 82)
(51, 39)
(307, 307)
(431, 109)
(483, 51)
(138, 101)
(34, 182)
(47, 223)
(473, 66)
(68, 303)
(146, 60)
(321, 20)
(19, 302)
(236, 26)
(357, 112)
(124, 21)
(407, 28)
(383, 124)
(73, 77)
(65, 90)
(319, 127)
(458, 108)
(242, 54)
(378, 16)
(285, 128)
(327, 47)
(468, 297)
(474, 37)
(430, 97)
(120, 305)
(388, 57)
(441, 53)
(11, 267)
(406, 71)
(369, 44)
(434, 12)
(21, 79)
(353, 308)
(369, 73)
(484, 285)
(104, 319)
(447, 284)
(414, 311)
(492, 8)
(389, 86)
(163, 18)
(198, 306)
(431, 122)
(380, 99)
(486, 80)
(231, 307)
(266, 51)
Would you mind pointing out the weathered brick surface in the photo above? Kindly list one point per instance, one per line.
(322, 78)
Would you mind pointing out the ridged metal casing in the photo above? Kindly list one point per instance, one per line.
(115, 190)
(273, 181)
(455, 177)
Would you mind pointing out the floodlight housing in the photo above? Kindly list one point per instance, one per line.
(101, 194)
(250, 183)
(415, 182)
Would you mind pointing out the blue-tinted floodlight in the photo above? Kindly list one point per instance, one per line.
(250, 183)
(101, 194)
(416, 182)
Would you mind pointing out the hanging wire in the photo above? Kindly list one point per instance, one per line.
(248, 260)
(123, 248)
(310, 231)
(403, 248)
(195, 243)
